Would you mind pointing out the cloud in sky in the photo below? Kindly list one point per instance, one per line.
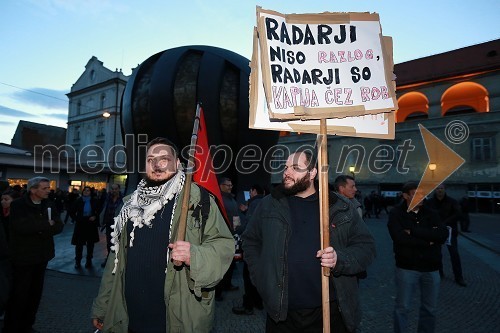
(61, 116)
(48, 98)
(5, 111)
(7, 123)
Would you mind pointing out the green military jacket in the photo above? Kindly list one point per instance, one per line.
(188, 292)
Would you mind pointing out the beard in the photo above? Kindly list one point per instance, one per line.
(299, 186)
(151, 182)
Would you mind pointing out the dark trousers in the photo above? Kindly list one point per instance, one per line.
(251, 298)
(226, 281)
(79, 251)
(465, 222)
(5, 283)
(454, 256)
(307, 321)
(24, 298)
(67, 217)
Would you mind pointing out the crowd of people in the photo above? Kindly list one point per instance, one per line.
(275, 233)
(30, 217)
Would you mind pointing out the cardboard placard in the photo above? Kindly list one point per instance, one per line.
(379, 125)
(328, 65)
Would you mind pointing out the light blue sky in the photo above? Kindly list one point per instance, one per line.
(45, 44)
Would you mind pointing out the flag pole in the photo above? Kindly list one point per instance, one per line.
(181, 232)
(324, 220)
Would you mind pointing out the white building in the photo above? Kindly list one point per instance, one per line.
(94, 136)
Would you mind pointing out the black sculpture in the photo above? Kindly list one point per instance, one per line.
(160, 100)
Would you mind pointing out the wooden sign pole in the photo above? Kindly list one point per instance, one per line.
(324, 219)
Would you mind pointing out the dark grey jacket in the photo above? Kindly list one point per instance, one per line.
(265, 244)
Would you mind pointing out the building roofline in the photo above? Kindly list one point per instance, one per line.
(98, 85)
(475, 58)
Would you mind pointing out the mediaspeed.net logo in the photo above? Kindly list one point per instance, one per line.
(380, 159)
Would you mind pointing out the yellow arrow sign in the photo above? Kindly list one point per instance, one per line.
(443, 162)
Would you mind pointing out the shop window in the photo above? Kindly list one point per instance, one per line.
(24, 181)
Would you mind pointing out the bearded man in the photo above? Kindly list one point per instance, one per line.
(141, 290)
(282, 249)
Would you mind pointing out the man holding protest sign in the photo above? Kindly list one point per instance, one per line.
(284, 256)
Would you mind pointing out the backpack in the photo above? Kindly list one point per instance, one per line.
(202, 210)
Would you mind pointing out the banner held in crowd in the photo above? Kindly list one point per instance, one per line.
(328, 65)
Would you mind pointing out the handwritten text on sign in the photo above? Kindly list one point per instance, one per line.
(324, 65)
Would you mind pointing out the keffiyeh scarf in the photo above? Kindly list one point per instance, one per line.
(142, 206)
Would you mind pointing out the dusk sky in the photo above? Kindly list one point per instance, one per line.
(45, 44)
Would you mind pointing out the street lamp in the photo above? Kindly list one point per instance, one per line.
(432, 167)
(351, 170)
(107, 115)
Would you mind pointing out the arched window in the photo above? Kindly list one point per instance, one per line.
(78, 108)
(465, 97)
(412, 105)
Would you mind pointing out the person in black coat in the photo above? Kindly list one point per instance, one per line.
(5, 274)
(251, 298)
(86, 216)
(5, 267)
(464, 218)
(69, 202)
(34, 221)
(449, 211)
(417, 237)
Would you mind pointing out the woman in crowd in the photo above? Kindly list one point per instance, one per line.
(86, 216)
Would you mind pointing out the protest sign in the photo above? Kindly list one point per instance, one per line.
(327, 65)
(369, 126)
